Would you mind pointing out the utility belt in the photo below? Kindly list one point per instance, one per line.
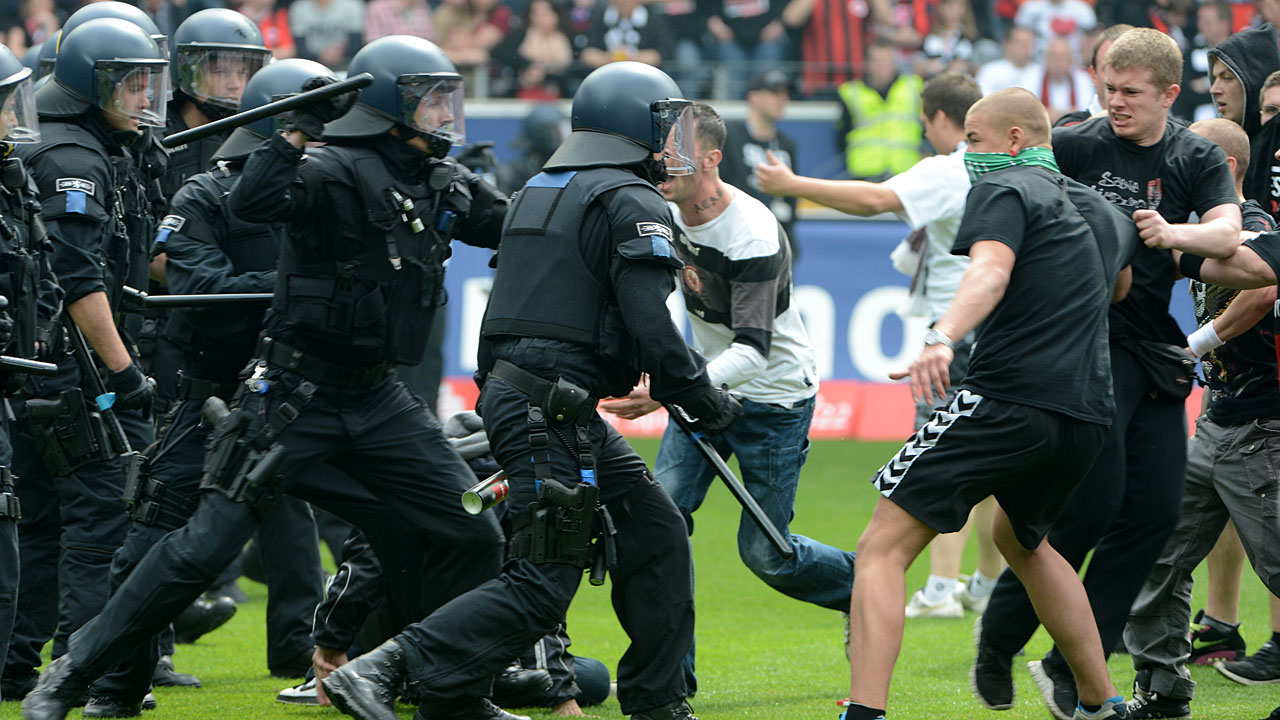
(158, 506)
(567, 524)
(318, 371)
(10, 507)
(194, 388)
(241, 466)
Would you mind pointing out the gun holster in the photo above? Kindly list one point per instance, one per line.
(239, 466)
(567, 526)
(68, 435)
(566, 403)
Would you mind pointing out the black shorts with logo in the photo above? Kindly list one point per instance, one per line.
(1030, 459)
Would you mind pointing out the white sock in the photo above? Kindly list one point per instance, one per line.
(980, 585)
(937, 589)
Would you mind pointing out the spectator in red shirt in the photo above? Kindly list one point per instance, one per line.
(274, 24)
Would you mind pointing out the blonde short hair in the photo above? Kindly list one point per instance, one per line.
(1147, 49)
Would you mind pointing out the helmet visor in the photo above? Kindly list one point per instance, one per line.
(432, 104)
(675, 121)
(18, 121)
(134, 91)
(217, 75)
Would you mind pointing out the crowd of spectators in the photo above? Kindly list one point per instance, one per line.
(540, 49)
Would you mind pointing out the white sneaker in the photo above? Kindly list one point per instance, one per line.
(304, 694)
(948, 608)
(972, 602)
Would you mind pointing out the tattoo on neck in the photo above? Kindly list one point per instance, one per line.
(706, 204)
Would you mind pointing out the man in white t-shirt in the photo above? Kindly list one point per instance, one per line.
(737, 290)
(930, 198)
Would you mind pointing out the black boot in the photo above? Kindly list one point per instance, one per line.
(367, 686)
(678, 710)
(520, 687)
(201, 617)
(166, 676)
(59, 689)
(109, 706)
(464, 709)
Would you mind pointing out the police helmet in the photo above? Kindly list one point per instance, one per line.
(274, 82)
(110, 64)
(48, 54)
(622, 113)
(114, 9)
(18, 123)
(215, 52)
(415, 87)
(31, 58)
(543, 129)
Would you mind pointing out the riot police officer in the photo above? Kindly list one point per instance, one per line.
(577, 311)
(111, 80)
(369, 217)
(32, 298)
(212, 251)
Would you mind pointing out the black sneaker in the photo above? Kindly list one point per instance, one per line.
(991, 676)
(1260, 668)
(1057, 686)
(1146, 705)
(1212, 639)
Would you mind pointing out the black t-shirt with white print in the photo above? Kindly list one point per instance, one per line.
(1180, 175)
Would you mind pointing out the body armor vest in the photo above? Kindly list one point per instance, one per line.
(127, 195)
(186, 160)
(218, 342)
(551, 282)
(22, 242)
(368, 288)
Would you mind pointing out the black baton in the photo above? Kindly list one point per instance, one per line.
(102, 399)
(163, 302)
(749, 504)
(27, 367)
(272, 108)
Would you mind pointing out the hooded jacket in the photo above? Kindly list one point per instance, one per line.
(1251, 55)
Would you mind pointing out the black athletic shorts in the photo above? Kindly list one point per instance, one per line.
(1031, 459)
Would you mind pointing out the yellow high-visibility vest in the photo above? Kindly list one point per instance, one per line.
(886, 131)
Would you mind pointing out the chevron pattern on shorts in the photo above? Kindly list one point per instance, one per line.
(891, 474)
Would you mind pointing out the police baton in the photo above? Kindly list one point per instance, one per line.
(139, 298)
(749, 504)
(292, 102)
(103, 399)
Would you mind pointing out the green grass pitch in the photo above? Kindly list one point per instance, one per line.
(760, 654)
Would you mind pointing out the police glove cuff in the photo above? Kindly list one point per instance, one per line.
(133, 389)
(716, 410)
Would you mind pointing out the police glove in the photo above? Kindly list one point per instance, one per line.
(716, 410)
(466, 434)
(134, 391)
(478, 157)
(310, 119)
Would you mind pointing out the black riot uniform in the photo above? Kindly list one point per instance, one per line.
(92, 198)
(210, 251)
(369, 218)
(576, 313)
(33, 300)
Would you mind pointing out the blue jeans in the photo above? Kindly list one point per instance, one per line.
(771, 443)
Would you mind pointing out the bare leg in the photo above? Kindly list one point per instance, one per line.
(891, 541)
(947, 551)
(1226, 561)
(1063, 608)
(990, 561)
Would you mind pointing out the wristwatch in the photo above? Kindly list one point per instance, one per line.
(933, 336)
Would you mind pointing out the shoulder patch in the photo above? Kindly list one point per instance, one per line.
(173, 223)
(85, 186)
(653, 228)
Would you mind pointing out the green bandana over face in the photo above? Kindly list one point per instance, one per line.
(980, 163)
